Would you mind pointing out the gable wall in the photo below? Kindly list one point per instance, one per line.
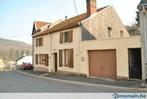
(98, 24)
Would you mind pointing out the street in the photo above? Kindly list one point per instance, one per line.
(15, 82)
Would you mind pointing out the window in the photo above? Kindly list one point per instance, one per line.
(121, 33)
(66, 36)
(39, 42)
(109, 31)
(68, 58)
(42, 59)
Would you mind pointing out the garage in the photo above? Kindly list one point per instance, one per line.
(102, 63)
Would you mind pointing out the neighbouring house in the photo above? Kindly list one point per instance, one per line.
(25, 59)
(2, 65)
(95, 43)
(142, 7)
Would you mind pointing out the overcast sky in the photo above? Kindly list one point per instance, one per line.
(17, 16)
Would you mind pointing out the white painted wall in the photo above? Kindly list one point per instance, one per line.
(121, 45)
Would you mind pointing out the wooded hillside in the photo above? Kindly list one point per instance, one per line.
(13, 50)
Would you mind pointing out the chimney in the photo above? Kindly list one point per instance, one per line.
(91, 7)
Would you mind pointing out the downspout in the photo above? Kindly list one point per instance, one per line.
(79, 41)
(33, 52)
(51, 55)
(79, 49)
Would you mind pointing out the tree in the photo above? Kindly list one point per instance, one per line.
(133, 29)
(27, 52)
(11, 54)
(17, 54)
(137, 19)
(22, 52)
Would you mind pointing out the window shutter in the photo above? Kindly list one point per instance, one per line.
(70, 36)
(65, 57)
(60, 58)
(46, 59)
(41, 41)
(61, 37)
(71, 58)
(36, 59)
(36, 42)
(40, 59)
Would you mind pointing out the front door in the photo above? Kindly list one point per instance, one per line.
(55, 62)
(135, 70)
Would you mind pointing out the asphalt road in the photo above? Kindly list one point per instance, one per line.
(15, 82)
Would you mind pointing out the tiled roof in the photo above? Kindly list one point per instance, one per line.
(39, 24)
(66, 24)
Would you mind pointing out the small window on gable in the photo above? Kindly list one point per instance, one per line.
(109, 32)
(121, 33)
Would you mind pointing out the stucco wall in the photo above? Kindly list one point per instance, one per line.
(121, 46)
(74, 45)
(45, 49)
(98, 23)
(52, 45)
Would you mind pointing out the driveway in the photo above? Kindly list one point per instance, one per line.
(15, 82)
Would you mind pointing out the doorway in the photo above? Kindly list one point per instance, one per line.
(135, 68)
(55, 62)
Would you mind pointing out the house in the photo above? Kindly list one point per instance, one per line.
(142, 7)
(2, 65)
(95, 43)
(25, 59)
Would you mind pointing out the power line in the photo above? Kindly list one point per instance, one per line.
(75, 7)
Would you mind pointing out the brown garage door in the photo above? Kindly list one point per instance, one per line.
(102, 63)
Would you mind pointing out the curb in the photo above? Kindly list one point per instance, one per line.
(84, 83)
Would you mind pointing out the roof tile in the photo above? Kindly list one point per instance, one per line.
(66, 24)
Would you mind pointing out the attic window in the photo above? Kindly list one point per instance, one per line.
(109, 32)
(121, 33)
